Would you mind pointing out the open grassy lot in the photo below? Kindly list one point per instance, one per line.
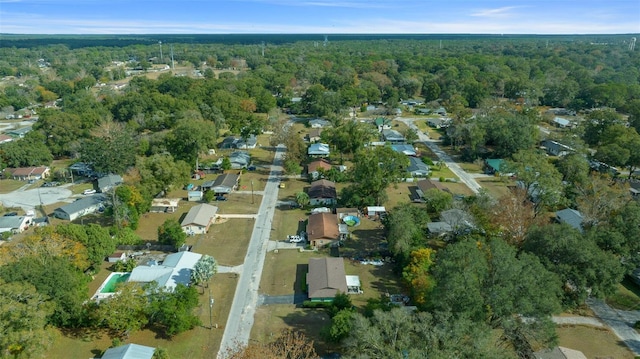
(201, 342)
(287, 221)
(271, 319)
(495, 186)
(10, 185)
(149, 222)
(227, 241)
(471, 167)
(593, 342)
(239, 203)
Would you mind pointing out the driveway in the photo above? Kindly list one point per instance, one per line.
(31, 198)
(620, 321)
(282, 299)
(464, 177)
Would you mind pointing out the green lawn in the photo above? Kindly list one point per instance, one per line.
(9, 185)
(626, 297)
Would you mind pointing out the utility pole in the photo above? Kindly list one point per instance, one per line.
(252, 192)
(211, 301)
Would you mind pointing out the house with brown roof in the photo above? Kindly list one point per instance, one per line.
(28, 173)
(4, 138)
(322, 229)
(426, 184)
(314, 168)
(322, 192)
(326, 278)
(314, 135)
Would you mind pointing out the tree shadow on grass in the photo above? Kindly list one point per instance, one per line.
(310, 322)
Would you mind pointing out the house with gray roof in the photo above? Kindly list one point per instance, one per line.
(439, 228)
(14, 224)
(561, 122)
(319, 123)
(199, 219)
(225, 183)
(555, 148)
(405, 149)
(393, 136)
(571, 217)
(81, 207)
(417, 168)
(175, 269)
(239, 160)
(129, 351)
(319, 150)
(20, 132)
(109, 182)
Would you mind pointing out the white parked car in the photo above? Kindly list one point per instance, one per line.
(89, 191)
(295, 239)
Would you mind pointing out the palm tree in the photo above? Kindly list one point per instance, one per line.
(302, 198)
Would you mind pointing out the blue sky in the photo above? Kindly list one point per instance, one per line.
(319, 16)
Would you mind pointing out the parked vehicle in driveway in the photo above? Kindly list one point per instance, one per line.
(88, 191)
(295, 239)
(221, 198)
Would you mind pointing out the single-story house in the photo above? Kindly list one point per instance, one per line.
(322, 229)
(326, 278)
(20, 132)
(194, 196)
(81, 207)
(439, 228)
(373, 211)
(439, 122)
(318, 150)
(322, 192)
(228, 142)
(440, 111)
(239, 160)
(250, 142)
(314, 135)
(423, 111)
(405, 149)
(28, 173)
(561, 122)
(417, 168)
(392, 136)
(412, 102)
(207, 185)
(175, 269)
(14, 224)
(571, 217)
(314, 167)
(129, 351)
(164, 205)
(426, 184)
(117, 256)
(319, 123)
(109, 182)
(199, 219)
(493, 165)
(554, 148)
(4, 138)
(559, 353)
(459, 220)
(382, 123)
(81, 168)
(225, 183)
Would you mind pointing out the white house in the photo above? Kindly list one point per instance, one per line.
(14, 224)
(81, 207)
(199, 218)
(175, 269)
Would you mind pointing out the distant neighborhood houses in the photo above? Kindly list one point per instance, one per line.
(81, 207)
(27, 173)
(239, 143)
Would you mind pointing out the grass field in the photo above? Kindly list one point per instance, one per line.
(495, 186)
(626, 297)
(10, 185)
(593, 342)
(227, 241)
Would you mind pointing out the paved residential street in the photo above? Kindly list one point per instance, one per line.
(31, 198)
(464, 177)
(246, 298)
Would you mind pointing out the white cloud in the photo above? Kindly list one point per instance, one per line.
(497, 12)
